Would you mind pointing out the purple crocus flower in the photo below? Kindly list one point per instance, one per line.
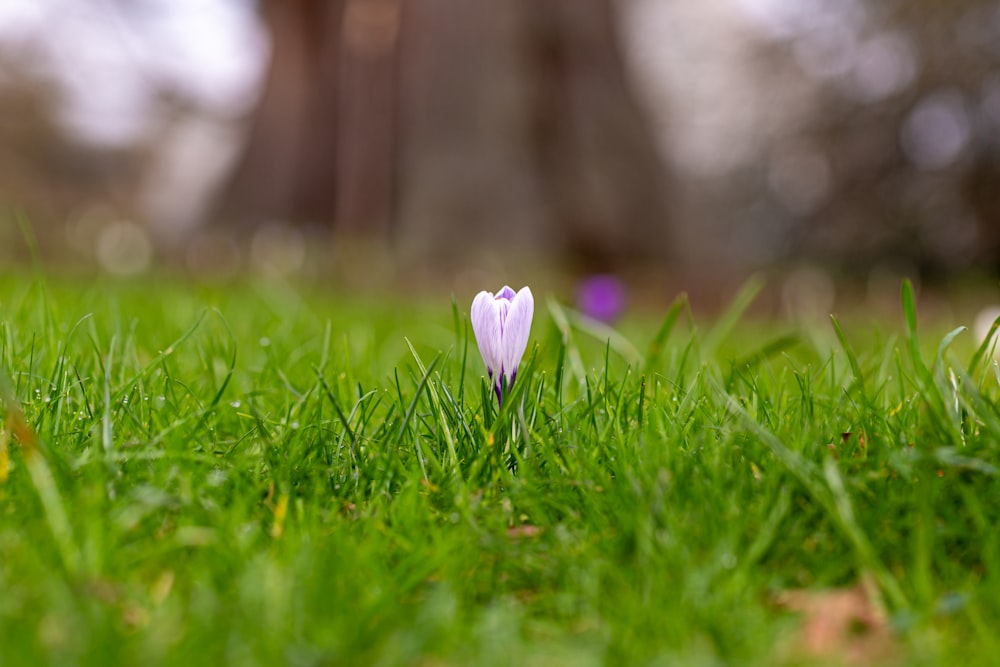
(601, 297)
(502, 322)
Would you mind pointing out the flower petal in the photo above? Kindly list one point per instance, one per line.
(516, 329)
(505, 293)
(486, 326)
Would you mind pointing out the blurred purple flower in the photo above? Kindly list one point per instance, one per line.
(502, 323)
(601, 297)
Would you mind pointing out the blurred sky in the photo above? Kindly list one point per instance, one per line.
(697, 65)
(108, 59)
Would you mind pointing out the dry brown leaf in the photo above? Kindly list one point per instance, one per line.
(524, 530)
(18, 426)
(4, 454)
(845, 625)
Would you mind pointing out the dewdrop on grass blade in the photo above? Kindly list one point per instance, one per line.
(502, 323)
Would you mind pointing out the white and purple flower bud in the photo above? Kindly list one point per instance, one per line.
(502, 322)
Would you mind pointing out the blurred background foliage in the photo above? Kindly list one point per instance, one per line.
(706, 138)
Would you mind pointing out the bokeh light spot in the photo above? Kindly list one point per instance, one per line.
(936, 131)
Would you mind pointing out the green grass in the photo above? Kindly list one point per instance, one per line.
(264, 475)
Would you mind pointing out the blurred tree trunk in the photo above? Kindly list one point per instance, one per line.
(321, 147)
(601, 175)
(447, 125)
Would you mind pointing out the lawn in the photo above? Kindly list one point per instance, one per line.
(267, 474)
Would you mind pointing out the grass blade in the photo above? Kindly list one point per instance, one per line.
(658, 344)
(732, 315)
